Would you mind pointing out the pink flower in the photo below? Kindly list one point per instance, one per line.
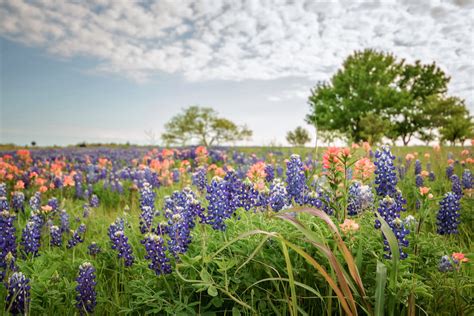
(349, 226)
(459, 256)
(364, 168)
(424, 190)
(409, 157)
(20, 185)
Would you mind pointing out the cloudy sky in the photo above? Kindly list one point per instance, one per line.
(109, 70)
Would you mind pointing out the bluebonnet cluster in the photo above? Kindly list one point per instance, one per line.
(147, 205)
(456, 186)
(77, 236)
(35, 201)
(419, 180)
(18, 201)
(120, 242)
(93, 249)
(181, 210)
(448, 214)
(269, 172)
(199, 178)
(401, 171)
(94, 202)
(223, 200)
(155, 250)
(3, 198)
(393, 201)
(175, 175)
(278, 197)
(85, 289)
(296, 180)
(418, 167)
(467, 179)
(249, 196)
(18, 294)
(7, 240)
(56, 236)
(78, 185)
(360, 198)
(432, 176)
(31, 235)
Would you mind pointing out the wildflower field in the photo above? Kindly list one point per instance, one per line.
(237, 231)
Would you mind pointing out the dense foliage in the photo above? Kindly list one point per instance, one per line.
(374, 94)
(357, 230)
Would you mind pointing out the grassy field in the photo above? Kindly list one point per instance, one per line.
(265, 262)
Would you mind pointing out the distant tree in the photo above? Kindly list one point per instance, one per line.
(454, 120)
(33, 143)
(298, 137)
(204, 126)
(375, 84)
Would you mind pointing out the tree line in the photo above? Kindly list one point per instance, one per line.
(374, 96)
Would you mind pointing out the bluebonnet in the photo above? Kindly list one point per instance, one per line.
(93, 249)
(77, 236)
(94, 202)
(419, 180)
(390, 209)
(248, 195)
(401, 171)
(18, 201)
(392, 202)
(456, 185)
(269, 172)
(155, 250)
(4, 204)
(3, 190)
(360, 198)
(18, 294)
(78, 185)
(296, 180)
(120, 243)
(278, 196)
(85, 289)
(7, 240)
(119, 224)
(467, 179)
(56, 236)
(35, 201)
(223, 200)
(445, 264)
(147, 205)
(31, 235)
(64, 220)
(175, 175)
(448, 214)
(86, 210)
(279, 170)
(418, 167)
(385, 176)
(449, 171)
(199, 178)
(432, 176)
(54, 203)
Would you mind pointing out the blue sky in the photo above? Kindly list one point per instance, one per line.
(106, 71)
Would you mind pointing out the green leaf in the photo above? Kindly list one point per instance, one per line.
(236, 311)
(212, 291)
(380, 282)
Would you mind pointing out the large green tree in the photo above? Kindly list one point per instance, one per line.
(375, 85)
(204, 126)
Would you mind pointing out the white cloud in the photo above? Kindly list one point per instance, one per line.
(238, 40)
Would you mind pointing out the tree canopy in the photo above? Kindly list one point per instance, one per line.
(374, 95)
(298, 137)
(204, 126)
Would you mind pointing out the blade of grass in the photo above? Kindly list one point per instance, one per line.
(289, 267)
(380, 282)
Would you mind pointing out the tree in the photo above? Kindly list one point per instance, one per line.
(204, 126)
(298, 137)
(376, 84)
(373, 128)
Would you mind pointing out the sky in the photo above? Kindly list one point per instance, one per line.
(117, 71)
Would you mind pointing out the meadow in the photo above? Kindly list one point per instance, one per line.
(237, 231)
